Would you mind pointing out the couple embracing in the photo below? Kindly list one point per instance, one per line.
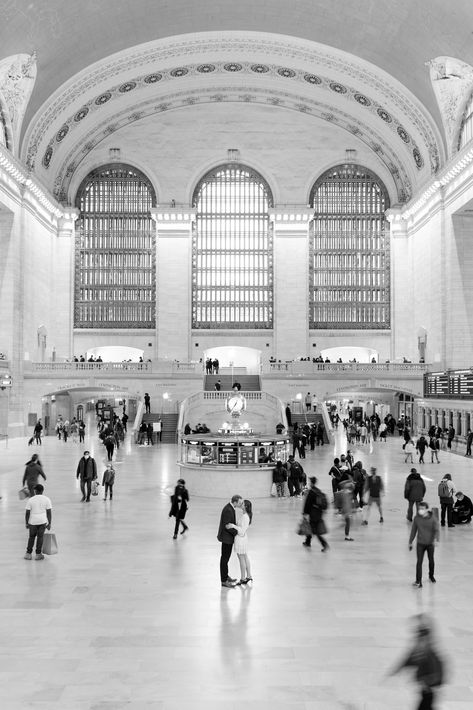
(232, 532)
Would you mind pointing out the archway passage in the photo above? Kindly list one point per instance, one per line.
(235, 360)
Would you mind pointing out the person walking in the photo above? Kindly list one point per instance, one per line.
(81, 431)
(279, 478)
(414, 492)
(421, 447)
(409, 450)
(226, 537)
(38, 428)
(296, 472)
(434, 446)
(38, 518)
(109, 442)
(345, 505)
(315, 504)
(469, 441)
(374, 488)
(108, 481)
(32, 473)
(241, 541)
(446, 493)
(86, 473)
(425, 526)
(288, 415)
(179, 501)
(427, 664)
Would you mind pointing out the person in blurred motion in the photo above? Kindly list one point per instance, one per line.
(32, 473)
(374, 489)
(423, 658)
(179, 501)
(315, 503)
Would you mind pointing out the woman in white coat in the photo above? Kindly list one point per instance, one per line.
(241, 542)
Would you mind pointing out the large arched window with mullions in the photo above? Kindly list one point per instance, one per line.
(115, 250)
(349, 251)
(232, 253)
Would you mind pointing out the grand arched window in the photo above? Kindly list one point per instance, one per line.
(232, 254)
(115, 250)
(349, 251)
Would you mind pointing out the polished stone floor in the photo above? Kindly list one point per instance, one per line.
(125, 617)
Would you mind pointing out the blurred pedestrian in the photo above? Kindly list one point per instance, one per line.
(423, 658)
(32, 472)
(315, 504)
(179, 501)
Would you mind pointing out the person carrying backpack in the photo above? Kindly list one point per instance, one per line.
(315, 503)
(446, 492)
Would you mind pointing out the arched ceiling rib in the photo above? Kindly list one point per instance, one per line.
(215, 67)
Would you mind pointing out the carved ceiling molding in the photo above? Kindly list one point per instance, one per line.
(452, 82)
(17, 79)
(188, 52)
(391, 157)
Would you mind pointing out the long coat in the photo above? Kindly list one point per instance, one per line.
(179, 502)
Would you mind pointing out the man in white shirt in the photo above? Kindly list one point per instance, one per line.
(38, 518)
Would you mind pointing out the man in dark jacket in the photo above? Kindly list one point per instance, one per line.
(86, 472)
(226, 536)
(296, 473)
(469, 441)
(279, 478)
(421, 447)
(374, 488)
(414, 492)
(426, 527)
(315, 503)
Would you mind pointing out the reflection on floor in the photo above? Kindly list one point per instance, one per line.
(125, 617)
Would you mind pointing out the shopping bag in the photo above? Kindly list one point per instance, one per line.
(95, 488)
(274, 490)
(304, 527)
(23, 493)
(49, 543)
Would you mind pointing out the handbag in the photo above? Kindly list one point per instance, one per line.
(304, 527)
(95, 488)
(274, 491)
(24, 493)
(49, 543)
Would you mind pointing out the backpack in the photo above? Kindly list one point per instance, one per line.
(444, 490)
(321, 500)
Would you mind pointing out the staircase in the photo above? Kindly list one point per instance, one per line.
(308, 418)
(169, 425)
(249, 383)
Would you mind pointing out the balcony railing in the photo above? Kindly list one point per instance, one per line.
(161, 367)
(307, 368)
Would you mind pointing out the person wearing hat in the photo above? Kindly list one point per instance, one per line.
(414, 492)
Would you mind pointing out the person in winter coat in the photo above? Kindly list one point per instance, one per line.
(32, 473)
(279, 478)
(409, 450)
(86, 473)
(414, 492)
(426, 527)
(294, 477)
(434, 446)
(421, 447)
(179, 501)
(374, 488)
(359, 478)
(463, 509)
(446, 492)
(315, 503)
(108, 481)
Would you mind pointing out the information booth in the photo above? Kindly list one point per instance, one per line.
(218, 466)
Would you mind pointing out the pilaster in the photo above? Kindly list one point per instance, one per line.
(174, 227)
(291, 279)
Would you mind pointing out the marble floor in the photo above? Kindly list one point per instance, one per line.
(126, 617)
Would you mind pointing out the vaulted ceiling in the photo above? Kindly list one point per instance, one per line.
(103, 64)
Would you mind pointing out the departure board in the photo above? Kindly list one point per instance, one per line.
(453, 384)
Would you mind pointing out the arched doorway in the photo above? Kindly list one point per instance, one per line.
(234, 360)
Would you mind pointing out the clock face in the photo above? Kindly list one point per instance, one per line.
(235, 404)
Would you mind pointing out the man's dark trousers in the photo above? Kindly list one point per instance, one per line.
(224, 559)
